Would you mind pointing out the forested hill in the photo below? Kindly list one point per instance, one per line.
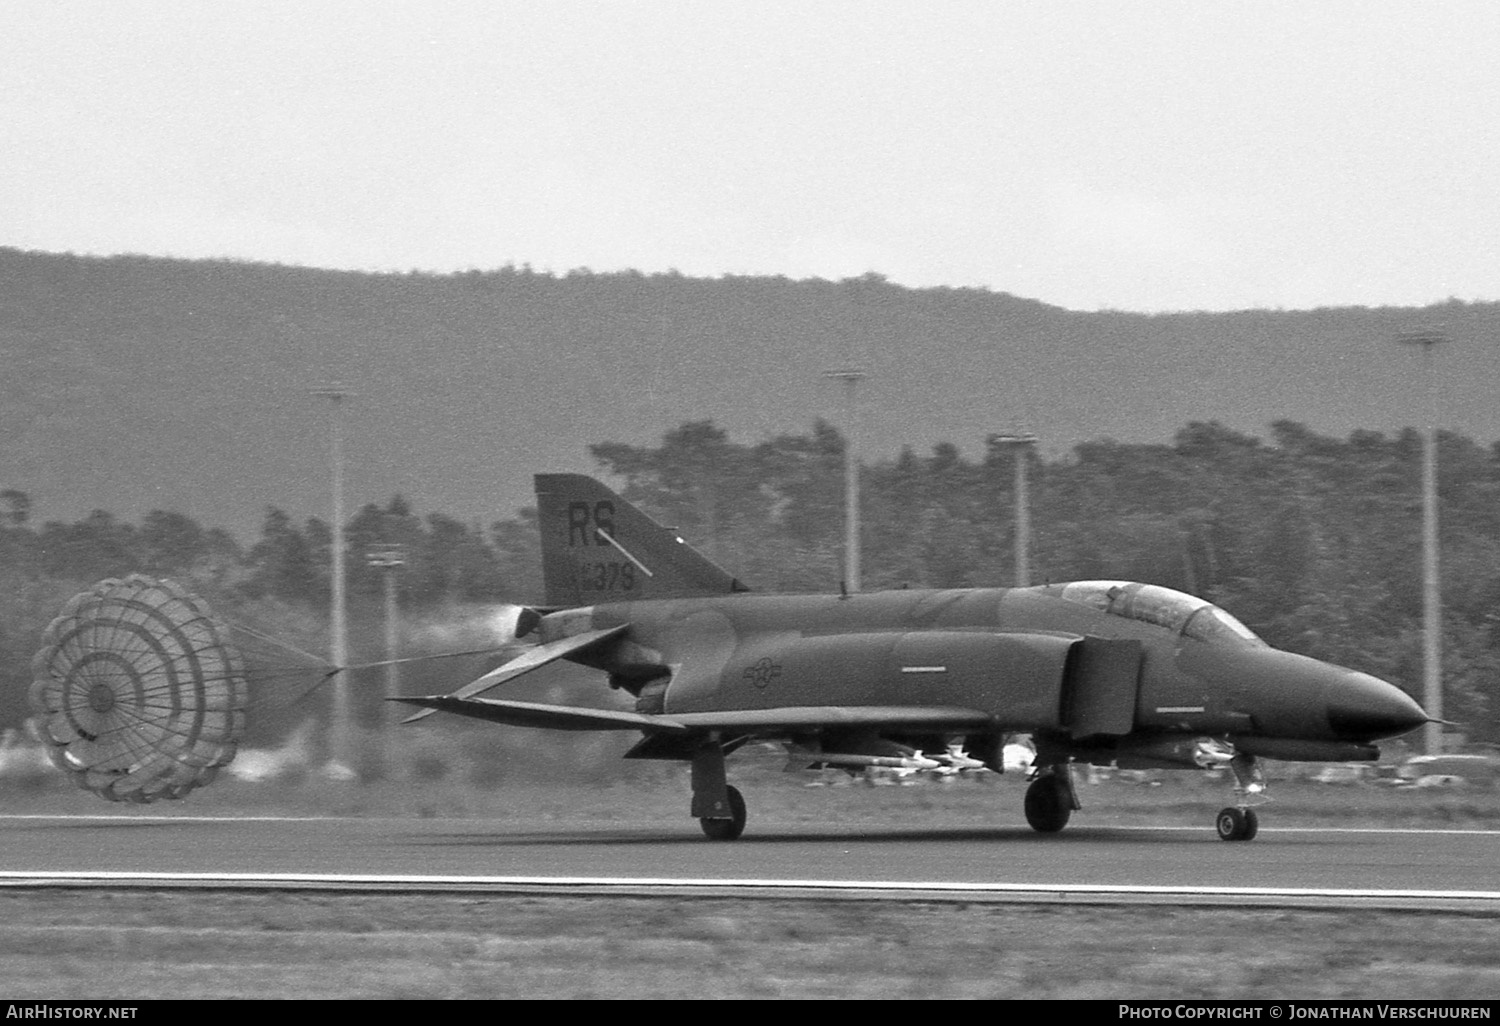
(134, 383)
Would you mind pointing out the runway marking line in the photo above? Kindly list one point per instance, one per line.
(104, 877)
(106, 818)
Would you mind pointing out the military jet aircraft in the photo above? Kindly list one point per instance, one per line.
(1109, 673)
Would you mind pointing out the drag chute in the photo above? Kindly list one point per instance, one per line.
(138, 691)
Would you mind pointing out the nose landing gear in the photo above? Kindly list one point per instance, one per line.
(1236, 824)
(1239, 821)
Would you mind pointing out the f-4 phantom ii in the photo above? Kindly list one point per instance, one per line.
(1110, 673)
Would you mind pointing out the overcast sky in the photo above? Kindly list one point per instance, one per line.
(1124, 154)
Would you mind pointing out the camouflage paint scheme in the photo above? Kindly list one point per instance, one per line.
(1107, 672)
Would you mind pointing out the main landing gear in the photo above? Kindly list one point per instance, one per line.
(1239, 822)
(726, 829)
(720, 808)
(1051, 799)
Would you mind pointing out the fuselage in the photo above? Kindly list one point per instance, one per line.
(1085, 659)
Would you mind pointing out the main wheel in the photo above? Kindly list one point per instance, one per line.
(1047, 805)
(727, 829)
(1237, 824)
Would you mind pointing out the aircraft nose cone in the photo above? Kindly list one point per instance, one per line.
(1365, 708)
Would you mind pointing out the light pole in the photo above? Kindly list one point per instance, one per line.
(388, 559)
(851, 377)
(1432, 652)
(1020, 444)
(338, 731)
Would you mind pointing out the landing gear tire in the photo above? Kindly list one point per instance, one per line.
(1047, 805)
(1237, 824)
(727, 829)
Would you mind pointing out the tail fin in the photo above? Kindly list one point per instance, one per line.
(596, 547)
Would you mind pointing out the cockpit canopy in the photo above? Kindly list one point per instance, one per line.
(1163, 607)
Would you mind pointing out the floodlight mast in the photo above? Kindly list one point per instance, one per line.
(851, 377)
(340, 723)
(1020, 443)
(1428, 339)
(389, 558)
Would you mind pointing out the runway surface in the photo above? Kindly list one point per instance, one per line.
(1452, 868)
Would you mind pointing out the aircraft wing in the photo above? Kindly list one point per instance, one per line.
(562, 717)
(535, 714)
(531, 659)
(933, 717)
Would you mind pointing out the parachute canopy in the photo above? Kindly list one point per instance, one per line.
(138, 690)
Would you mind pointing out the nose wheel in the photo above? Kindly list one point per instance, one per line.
(1234, 824)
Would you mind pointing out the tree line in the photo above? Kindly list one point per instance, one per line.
(1312, 540)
